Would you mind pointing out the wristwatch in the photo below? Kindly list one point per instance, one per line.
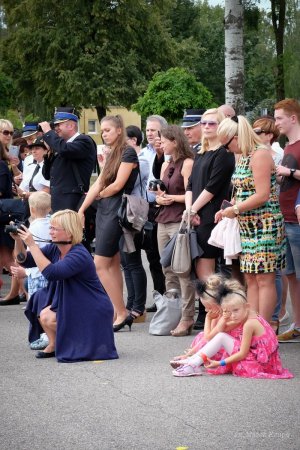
(236, 209)
(292, 171)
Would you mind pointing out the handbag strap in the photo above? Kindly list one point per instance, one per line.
(141, 186)
(185, 225)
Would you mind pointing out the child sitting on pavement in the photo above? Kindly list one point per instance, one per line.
(248, 343)
(40, 206)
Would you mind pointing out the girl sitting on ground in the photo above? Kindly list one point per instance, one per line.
(250, 346)
(208, 293)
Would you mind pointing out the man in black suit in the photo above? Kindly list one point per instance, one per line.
(74, 158)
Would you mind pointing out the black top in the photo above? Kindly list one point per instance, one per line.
(5, 181)
(130, 156)
(211, 171)
(82, 152)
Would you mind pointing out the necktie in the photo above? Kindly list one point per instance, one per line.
(31, 187)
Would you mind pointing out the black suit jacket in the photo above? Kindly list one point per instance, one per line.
(64, 188)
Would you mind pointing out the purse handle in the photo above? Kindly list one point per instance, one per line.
(185, 226)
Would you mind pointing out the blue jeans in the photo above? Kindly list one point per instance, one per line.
(292, 231)
(279, 295)
(135, 277)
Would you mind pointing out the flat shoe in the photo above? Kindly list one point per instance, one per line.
(42, 355)
(10, 301)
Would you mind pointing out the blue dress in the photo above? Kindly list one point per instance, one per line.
(84, 312)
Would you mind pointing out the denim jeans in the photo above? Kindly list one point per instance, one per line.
(292, 231)
(135, 277)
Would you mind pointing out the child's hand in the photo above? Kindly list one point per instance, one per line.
(212, 314)
(212, 364)
(18, 272)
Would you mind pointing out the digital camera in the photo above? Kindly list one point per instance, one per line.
(154, 184)
(13, 227)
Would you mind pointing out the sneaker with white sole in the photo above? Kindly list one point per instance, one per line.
(41, 343)
(290, 335)
(285, 320)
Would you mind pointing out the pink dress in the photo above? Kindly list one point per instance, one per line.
(262, 361)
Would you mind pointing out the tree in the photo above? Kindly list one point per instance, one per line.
(234, 55)
(278, 8)
(170, 92)
(97, 53)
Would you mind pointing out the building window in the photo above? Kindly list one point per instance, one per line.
(92, 127)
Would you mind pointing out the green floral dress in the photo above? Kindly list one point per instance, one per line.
(262, 229)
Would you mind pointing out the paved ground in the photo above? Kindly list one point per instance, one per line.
(134, 402)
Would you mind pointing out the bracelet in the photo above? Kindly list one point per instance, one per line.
(204, 357)
(222, 362)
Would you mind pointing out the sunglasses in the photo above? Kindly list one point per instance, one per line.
(259, 131)
(6, 132)
(228, 143)
(210, 123)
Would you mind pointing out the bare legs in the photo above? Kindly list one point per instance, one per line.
(48, 322)
(261, 293)
(109, 273)
(204, 268)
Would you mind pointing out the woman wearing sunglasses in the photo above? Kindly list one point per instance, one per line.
(207, 188)
(257, 209)
(6, 135)
(175, 174)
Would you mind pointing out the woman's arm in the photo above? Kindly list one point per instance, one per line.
(40, 259)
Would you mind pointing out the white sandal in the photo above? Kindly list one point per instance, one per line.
(187, 371)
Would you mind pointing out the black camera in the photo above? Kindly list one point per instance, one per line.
(40, 129)
(154, 184)
(13, 227)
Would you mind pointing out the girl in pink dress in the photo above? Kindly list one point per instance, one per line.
(248, 343)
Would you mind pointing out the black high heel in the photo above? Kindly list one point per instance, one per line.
(128, 321)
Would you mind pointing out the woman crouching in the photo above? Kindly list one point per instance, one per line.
(73, 309)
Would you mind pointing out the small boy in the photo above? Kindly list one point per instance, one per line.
(40, 206)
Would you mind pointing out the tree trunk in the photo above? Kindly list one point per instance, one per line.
(234, 55)
(101, 112)
(278, 20)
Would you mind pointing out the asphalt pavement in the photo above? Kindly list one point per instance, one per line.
(135, 402)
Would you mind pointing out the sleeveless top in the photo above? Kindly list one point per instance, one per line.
(175, 186)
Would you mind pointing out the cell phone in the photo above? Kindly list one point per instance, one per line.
(14, 151)
(159, 134)
(226, 204)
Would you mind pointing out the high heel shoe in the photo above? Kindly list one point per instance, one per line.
(180, 331)
(128, 321)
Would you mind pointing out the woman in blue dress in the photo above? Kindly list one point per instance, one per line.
(73, 309)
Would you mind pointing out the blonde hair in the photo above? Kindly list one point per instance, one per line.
(69, 220)
(237, 297)
(41, 202)
(247, 139)
(214, 286)
(4, 123)
(220, 118)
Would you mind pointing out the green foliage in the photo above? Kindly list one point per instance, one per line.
(6, 89)
(97, 53)
(14, 117)
(170, 92)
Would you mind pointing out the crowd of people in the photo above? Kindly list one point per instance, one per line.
(214, 166)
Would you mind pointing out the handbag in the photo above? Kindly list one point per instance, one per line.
(12, 209)
(133, 211)
(181, 262)
(168, 314)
